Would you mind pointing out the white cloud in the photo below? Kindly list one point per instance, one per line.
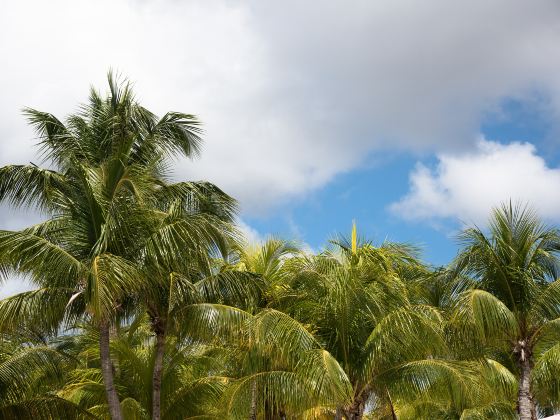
(467, 185)
(250, 234)
(291, 93)
(253, 237)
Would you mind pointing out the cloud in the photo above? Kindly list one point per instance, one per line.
(466, 186)
(250, 234)
(291, 93)
(253, 237)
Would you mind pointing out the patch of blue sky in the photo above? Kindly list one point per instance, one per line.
(364, 194)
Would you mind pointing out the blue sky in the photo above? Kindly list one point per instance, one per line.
(365, 194)
(413, 118)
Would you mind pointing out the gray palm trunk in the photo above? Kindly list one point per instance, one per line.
(157, 374)
(393, 413)
(356, 410)
(107, 371)
(253, 412)
(525, 402)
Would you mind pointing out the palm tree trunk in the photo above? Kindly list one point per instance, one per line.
(391, 406)
(356, 410)
(358, 413)
(338, 415)
(107, 371)
(253, 413)
(525, 403)
(157, 374)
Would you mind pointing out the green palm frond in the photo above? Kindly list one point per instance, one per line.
(44, 408)
(325, 378)
(31, 186)
(196, 197)
(404, 335)
(41, 308)
(43, 260)
(111, 279)
(208, 321)
(546, 383)
(546, 304)
(487, 315)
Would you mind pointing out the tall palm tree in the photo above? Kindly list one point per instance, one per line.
(100, 199)
(514, 306)
(169, 294)
(180, 271)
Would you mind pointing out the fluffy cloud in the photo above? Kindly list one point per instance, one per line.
(250, 234)
(466, 186)
(291, 93)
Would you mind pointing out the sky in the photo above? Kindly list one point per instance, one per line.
(412, 118)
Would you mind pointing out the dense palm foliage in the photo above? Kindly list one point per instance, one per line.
(148, 304)
(513, 306)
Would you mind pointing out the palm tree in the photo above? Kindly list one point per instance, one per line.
(199, 275)
(515, 304)
(180, 270)
(170, 293)
(485, 389)
(109, 173)
(357, 303)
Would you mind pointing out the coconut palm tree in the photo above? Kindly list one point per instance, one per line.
(358, 305)
(198, 276)
(485, 389)
(169, 293)
(109, 165)
(181, 272)
(514, 306)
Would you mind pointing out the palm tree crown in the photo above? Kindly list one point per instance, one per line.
(514, 305)
(107, 201)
